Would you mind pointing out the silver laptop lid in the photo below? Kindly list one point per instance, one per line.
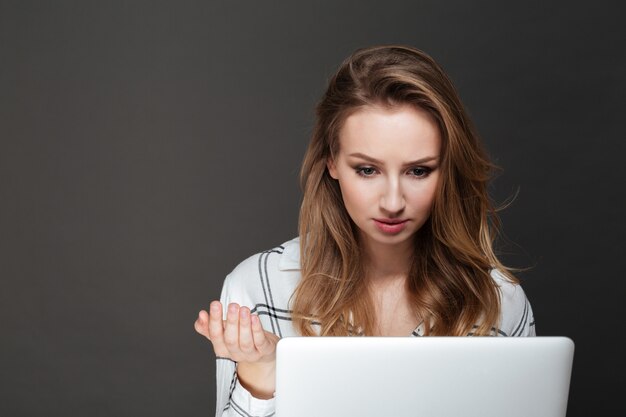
(423, 376)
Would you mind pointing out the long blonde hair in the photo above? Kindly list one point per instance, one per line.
(449, 282)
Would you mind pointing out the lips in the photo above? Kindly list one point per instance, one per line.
(390, 226)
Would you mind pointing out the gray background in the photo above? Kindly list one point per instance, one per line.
(148, 147)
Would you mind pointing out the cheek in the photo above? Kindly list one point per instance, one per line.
(424, 196)
(357, 196)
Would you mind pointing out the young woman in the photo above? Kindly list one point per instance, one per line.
(396, 232)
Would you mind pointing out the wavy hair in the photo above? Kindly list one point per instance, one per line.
(449, 282)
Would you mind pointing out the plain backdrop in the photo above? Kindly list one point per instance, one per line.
(147, 147)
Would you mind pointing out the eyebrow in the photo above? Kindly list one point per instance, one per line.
(376, 161)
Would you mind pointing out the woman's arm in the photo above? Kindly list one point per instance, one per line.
(516, 315)
(241, 344)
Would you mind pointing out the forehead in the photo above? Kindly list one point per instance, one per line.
(380, 131)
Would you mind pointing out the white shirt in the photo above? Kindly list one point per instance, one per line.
(265, 282)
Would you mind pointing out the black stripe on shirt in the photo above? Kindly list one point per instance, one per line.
(493, 330)
(520, 326)
(273, 316)
(230, 390)
(269, 290)
(282, 310)
(267, 301)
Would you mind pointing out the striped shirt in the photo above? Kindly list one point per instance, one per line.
(265, 282)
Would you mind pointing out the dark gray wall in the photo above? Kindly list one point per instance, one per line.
(147, 147)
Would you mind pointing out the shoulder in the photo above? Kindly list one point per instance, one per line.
(271, 273)
(516, 315)
(283, 257)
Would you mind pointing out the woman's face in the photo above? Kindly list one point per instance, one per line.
(387, 169)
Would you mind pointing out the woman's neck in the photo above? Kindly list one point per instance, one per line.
(387, 269)
(387, 262)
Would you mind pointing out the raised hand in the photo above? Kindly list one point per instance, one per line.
(242, 339)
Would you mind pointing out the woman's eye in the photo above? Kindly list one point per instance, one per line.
(366, 171)
(420, 172)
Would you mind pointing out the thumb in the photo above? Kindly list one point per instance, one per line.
(201, 324)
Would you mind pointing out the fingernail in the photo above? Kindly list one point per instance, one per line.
(243, 313)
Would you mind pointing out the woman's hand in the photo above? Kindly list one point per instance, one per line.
(242, 339)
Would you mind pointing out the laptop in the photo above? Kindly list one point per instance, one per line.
(423, 376)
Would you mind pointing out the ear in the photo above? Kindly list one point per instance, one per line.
(332, 169)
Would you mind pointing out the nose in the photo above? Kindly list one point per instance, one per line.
(392, 199)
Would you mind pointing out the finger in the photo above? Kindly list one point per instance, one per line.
(258, 335)
(231, 329)
(202, 324)
(246, 344)
(216, 329)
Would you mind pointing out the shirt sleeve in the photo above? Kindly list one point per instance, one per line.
(525, 321)
(517, 318)
(231, 399)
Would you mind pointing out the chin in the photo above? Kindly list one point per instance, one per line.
(391, 239)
